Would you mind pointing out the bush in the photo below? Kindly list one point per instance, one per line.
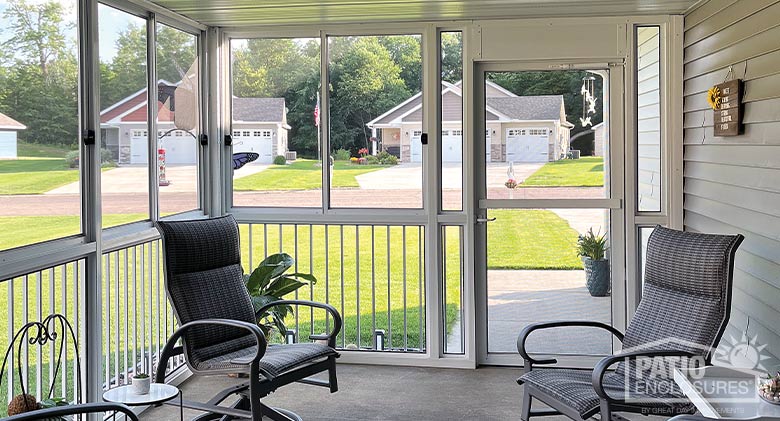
(106, 157)
(72, 158)
(342, 155)
(389, 160)
(372, 160)
(280, 160)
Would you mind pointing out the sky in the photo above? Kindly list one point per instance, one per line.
(111, 23)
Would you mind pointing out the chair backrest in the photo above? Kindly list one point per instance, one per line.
(686, 298)
(204, 280)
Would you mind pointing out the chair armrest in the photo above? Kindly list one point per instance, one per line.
(86, 408)
(521, 339)
(603, 366)
(170, 347)
(337, 322)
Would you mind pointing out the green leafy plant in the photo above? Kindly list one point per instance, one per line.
(280, 160)
(592, 246)
(388, 160)
(372, 160)
(141, 376)
(342, 155)
(270, 282)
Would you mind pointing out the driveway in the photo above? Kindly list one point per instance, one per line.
(408, 176)
(134, 179)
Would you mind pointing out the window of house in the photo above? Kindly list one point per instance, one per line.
(178, 64)
(277, 81)
(454, 145)
(40, 195)
(648, 124)
(123, 86)
(375, 92)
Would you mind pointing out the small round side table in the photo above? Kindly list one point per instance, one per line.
(158, 393)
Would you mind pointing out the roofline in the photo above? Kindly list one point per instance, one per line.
(504, 90)
(133, 95)
(19, 127)
(398, 126)
(258, 122)
(408, 100)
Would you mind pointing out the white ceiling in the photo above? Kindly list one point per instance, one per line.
(233, 13)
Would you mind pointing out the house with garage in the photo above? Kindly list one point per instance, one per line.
(518, 128)
(8, 131)
(259, 125)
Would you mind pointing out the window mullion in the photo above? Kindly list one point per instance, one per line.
(324, 121)
(151, 72)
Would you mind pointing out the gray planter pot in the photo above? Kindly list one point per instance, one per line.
(597, 276)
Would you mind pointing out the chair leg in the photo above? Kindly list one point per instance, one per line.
(606, 412)
(254, 398)
(525, 415)
(334, 383)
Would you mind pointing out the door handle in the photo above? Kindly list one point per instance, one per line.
(485, 220)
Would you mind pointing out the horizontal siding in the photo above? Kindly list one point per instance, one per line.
(732, 184)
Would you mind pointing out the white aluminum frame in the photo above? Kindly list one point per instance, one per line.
(614, 203)
(215, 190)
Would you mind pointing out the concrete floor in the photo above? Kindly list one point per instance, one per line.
(388, 393)
(385, 393)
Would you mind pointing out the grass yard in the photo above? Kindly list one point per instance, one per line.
(34, 175)
(34, 150)
(302, 174)
(531, 239)
(584, 172)
(16, 231)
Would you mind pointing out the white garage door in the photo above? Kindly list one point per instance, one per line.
(180, 148)
(416, 146)
(258, 141)
(527, 145)
(452, 145)
(139, 149)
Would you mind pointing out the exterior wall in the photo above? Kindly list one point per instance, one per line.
(731, 184)
(8, 144)
(497, 143)
(649, 118)
(111, 141)
(598, 140)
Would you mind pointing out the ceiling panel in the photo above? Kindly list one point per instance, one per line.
(234, 13)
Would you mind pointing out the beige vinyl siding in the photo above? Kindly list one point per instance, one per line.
(649, 118)
(732, 184)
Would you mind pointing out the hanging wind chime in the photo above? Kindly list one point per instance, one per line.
(588, 100)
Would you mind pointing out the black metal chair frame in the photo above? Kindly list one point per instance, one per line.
(81, 409)
(260, 383)
(608, 404)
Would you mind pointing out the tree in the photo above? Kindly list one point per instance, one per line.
(451, 56)
(40, 74)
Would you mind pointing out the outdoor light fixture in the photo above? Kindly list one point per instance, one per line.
(379, 340)
(290, 337)
(588, 100)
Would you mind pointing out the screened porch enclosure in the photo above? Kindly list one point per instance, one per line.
(431, 176)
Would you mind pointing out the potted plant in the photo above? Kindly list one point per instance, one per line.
(141, 383)
(592, 248)
(270, 282)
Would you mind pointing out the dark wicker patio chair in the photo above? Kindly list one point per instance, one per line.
(684, 309)
(219, 332)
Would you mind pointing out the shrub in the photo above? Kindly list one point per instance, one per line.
(353, 160)
(72, 158)
(342, 155)
(382, 155)
(280, 160)
(389, 160)
(106, 157)
(372, 160)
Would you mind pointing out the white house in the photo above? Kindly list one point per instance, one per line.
(259, 125)
(8, 130)
(519, 128)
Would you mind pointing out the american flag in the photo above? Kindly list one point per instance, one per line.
(317, 111)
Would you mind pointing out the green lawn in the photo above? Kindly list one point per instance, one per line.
(584, 172)
(302, 174)
(34, 150)
(34, 175)
(531, 239)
